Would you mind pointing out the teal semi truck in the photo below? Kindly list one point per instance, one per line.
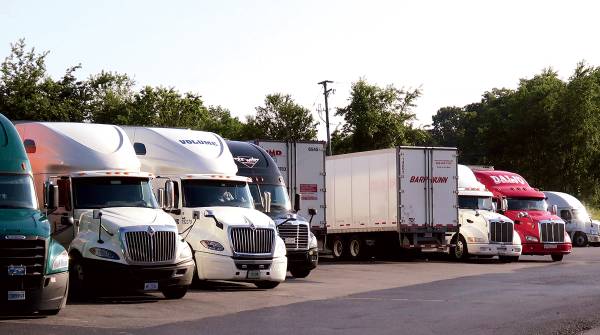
(33, 266)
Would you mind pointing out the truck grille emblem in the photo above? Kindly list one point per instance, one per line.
(151, 231)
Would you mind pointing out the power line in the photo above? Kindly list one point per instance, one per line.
(326, 95)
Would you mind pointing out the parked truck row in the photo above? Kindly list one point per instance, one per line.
(90, 207)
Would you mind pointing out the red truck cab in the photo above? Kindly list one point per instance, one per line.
(541, 232)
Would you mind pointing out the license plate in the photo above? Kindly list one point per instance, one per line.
(17, 270)
(253, 274)
(290, 240)
(151, 286)
(550, 246)
(16, 295)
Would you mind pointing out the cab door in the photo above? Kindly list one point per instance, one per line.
(62, 222)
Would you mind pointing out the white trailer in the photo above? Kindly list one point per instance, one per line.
(101, 208)
(401, 197)
(213, 207)
(579, 224)
(302, 166)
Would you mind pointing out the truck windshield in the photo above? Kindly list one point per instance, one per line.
(473, 202)
(216, 193)
(102, 192)
(527, 204)
(280, 202)
(16, 191)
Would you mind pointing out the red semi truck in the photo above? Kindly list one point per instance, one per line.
(541, 231)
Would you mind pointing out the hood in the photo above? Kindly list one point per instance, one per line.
(236, 216)
(28, 222)
(533, 216)
(487, 215)
(119, 217)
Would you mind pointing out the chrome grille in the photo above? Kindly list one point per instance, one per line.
(501, 231)
(295, 236)
(145, 247)
(553, 232)
(252, 241)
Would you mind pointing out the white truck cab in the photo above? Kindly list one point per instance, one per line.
(213, 207)
(483, 232)
(101, 207)
(579, 224)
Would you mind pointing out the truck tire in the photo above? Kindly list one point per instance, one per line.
(338, 248)
(266, 285)
(176, 292)
(508, 259)
(580, 240)
(300, 273)
(557, 257)
(356, 248)
(77, 283)
(460, 251)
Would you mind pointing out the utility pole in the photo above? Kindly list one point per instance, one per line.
(326, 95)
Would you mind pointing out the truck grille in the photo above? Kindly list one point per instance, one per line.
(553, 232)
(501, 231)
(145, 247)
(295, 236)
(252, 241)
(30, 253)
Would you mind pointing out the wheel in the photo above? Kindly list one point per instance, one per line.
(355, 248)
(267, 285)
(557, 257)
(508, 259)
(176, 292)
(460, 251)
(580, 239)
(300, 273)
(338, 248)
(77, 281)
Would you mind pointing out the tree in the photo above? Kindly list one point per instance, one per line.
(281, 118)
(377, 118)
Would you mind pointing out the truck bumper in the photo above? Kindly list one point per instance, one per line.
(50, 295)
(494, 249)
(546, 248)
(307, 259)
(592, 238)
(133, 277)
(220, 267)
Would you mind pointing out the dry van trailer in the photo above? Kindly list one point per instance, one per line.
(401, 197)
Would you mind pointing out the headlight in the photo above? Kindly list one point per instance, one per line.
(186, 252)
(61, 262)
(471, 239)
(313, 242)
(531, 238)
(212, 245)
(104, 253)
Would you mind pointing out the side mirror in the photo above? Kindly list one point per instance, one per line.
(67, 220)
(96, 214)
(50, 196)
(554, 210)
(160, 197)
(312, 212)
(504, 205)
(297, 202)
(267, 199)
(169, 194)
(209, 213)
(494, 207)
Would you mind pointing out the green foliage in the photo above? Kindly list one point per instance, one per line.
(377, 118)
(281, 118)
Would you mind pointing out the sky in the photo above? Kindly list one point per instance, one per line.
(233, 53)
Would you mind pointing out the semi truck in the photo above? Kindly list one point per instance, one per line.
(401, 197)
(579, 224)
(255, 163)
(302, 167)
(33, 265)
(212, 206)
(101, 208)
(541, 231)
(483, 232)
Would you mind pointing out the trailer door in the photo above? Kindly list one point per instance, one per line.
(444, 186)
(413, 194)
(308, 176)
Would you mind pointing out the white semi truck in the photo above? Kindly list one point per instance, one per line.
(400, 197)
(213, 207)
(483, 232)
(578, 222)
(102, 209)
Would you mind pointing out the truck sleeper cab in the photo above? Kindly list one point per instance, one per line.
(483, 232)
(541, 232)
(33, 266)
(101, 207)
(271, 197)
(579, 223)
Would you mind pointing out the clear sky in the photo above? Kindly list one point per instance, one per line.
(235, 52)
